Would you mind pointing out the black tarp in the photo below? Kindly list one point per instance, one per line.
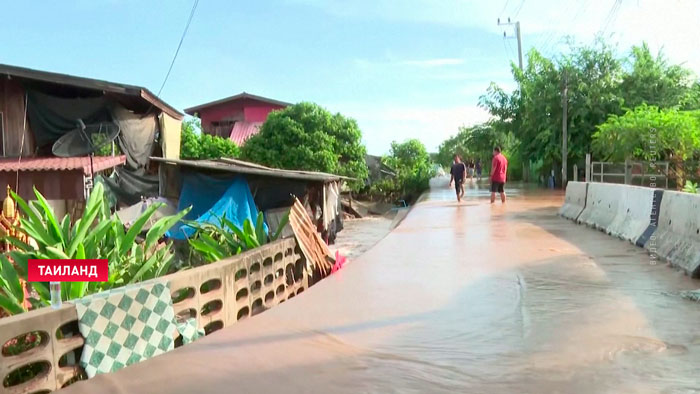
(51, 117)
(130, 187)
(137, 136)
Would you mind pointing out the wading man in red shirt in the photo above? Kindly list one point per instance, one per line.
(499, 166)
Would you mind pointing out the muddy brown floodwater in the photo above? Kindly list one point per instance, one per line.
(459, 298)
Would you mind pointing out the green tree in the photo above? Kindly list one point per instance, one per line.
(306, 136)
(651, 134)
(413, 167)
(197, 145)
(653, 81)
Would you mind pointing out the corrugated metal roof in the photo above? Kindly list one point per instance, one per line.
(240, 96)
(241, 131)
(242, 167)
(94, 84)
(100, 163)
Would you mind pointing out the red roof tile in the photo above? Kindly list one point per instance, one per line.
(100, 163)
(241, 131)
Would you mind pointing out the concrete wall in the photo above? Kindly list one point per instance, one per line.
(575, 200)
(665, 223)
(602, 200)
(677, 237)
(633, 214)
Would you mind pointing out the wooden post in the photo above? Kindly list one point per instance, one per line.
(588, 167)
(564, 148)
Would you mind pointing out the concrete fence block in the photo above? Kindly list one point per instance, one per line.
(575, 200)
(633, 213)
(603, 202)
(677, 237)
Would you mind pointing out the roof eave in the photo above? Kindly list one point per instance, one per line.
(244, 95)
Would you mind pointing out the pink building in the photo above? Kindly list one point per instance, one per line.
(237, 117)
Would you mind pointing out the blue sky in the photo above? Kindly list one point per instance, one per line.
(401, 68)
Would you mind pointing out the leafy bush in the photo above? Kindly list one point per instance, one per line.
(690, 187)
(414, 170)
(196, 145)
(305, 136)
(96, 235)
(216, 242)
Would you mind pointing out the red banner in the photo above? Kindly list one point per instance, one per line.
(73, 270)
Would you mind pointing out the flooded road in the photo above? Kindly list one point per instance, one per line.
(468, 297)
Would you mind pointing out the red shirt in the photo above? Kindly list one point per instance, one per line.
(499, 166)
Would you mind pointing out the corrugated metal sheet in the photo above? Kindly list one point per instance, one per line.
(241, 131)
(241, 167)
(100, 163)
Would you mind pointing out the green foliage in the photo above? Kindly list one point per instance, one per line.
(477, 142)
(653, 81)
(196, 145)
(96, 235)
(599, 85)
(690, 187)
(648, 133)
(413, 167)
(306, 136)
(215, 242)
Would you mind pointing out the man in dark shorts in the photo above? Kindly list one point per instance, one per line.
(458, 174)
(499, 166)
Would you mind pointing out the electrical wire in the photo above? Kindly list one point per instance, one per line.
(519, 8)
(504, 8)
(184, 33)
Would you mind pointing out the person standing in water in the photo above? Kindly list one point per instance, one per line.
(458, 174)
(499, 166)
(478, 169)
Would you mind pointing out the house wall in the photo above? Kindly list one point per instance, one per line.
(12, 99)
(248, 110)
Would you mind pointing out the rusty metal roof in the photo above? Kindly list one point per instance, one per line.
(93, 84)
(241, 131)
(240, 96)
(100, 163)
(243, 167)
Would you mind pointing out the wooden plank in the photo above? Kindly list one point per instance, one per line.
(310, 242)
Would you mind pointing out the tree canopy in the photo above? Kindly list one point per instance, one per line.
(306, 136)
(197, 145)
(601, 88)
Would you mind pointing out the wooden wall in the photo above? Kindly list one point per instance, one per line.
(12, 99)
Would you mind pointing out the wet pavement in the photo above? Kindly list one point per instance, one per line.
(468, 297)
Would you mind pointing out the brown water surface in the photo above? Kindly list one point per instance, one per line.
(459, 298)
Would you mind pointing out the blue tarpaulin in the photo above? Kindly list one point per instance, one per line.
(213, 198)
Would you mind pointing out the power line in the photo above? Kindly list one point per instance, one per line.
(519, 8)
(504, 8)
(177, 51)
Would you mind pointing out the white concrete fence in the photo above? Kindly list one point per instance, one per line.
(665, 223)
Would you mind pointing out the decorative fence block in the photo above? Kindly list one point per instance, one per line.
(209, 298)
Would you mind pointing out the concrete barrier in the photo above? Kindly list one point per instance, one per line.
(603, 202)
(633, 213)
(575, 200)
(677, 237)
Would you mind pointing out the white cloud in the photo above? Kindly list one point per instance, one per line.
(668, 24)
(383, 124)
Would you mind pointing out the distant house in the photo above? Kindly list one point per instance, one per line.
(38, 107)
(237, 117)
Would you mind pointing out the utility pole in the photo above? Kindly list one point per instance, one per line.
(517, 36)
(564, 122)
(520, 64)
